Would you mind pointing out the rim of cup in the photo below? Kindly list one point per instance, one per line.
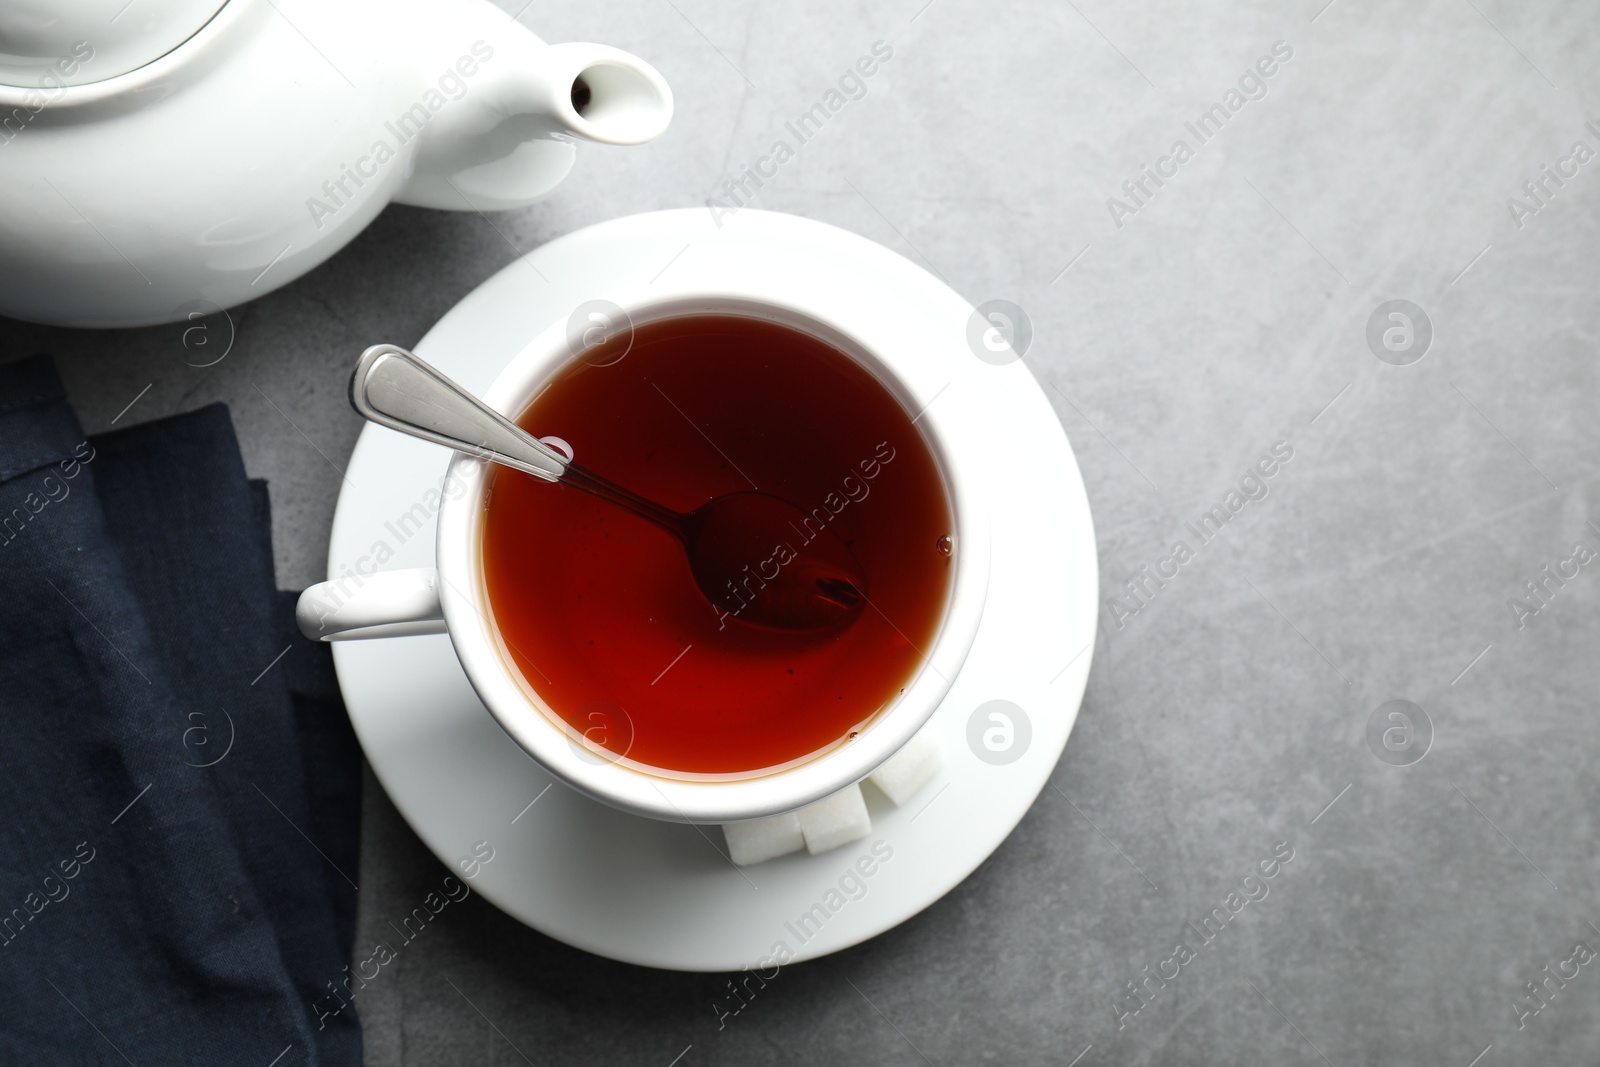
(665, 794)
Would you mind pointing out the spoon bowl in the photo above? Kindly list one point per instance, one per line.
(762, 561)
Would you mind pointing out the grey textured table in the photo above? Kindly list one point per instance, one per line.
(1181, 334)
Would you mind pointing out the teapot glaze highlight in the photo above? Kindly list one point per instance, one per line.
(150, 168)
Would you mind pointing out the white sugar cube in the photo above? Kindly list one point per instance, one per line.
(759, 840)
(909, 770)
(836, 820)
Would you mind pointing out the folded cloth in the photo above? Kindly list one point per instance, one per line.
(178, 782)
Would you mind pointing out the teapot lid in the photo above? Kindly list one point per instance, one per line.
(47, 44)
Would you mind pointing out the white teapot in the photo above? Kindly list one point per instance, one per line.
(159, 159)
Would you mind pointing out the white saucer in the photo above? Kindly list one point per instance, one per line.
(660, 894)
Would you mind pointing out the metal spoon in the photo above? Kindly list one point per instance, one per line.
(757, 558)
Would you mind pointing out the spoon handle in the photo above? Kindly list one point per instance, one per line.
(395, 388)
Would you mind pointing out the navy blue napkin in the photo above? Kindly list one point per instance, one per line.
(179, 786)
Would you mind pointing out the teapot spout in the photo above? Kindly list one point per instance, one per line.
(607, 95)
(510, 140)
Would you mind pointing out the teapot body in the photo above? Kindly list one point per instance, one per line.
(266, 141)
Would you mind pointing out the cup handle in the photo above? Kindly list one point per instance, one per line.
(383, 604)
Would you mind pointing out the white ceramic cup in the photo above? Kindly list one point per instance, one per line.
(451, 598)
